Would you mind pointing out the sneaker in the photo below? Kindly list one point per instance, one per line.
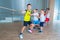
(30, 31)
(40, 31)
(38, 28)
(34, 28)
(21, 36)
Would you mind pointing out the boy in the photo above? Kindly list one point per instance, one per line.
(47, 15)
(27, 19)
(42, 20)
(35, 21)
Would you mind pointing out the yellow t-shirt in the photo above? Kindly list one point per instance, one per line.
(27, 16)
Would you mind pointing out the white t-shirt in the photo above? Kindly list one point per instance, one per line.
(48, 15)
(42, 18)
(35, 18)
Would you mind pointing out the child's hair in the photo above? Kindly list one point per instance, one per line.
(28, 4)
(36, 9)
(33, 10)
(47, 8)
(45, 11)
(42, 9)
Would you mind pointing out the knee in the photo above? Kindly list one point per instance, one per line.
(32, 25)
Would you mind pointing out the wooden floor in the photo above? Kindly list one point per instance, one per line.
(10, 31)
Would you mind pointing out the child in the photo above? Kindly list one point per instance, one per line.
(35, 21)
(47, 15)
(27, 19)
(45, 18)
(42, 20)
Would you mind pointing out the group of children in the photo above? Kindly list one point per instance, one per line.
(38, 19)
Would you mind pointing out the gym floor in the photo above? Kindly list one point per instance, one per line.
(10, 31)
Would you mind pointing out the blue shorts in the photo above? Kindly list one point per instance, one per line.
(42, 24)
(27, 23)
(35, 22)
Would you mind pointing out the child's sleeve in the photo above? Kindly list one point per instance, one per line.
(31, 13)
(23, 12)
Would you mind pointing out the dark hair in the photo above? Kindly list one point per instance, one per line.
(36, 9)
(28, 4)
(47, 8)
(42, 9)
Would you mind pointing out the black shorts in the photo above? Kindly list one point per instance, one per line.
(42, 24)
(27, 23)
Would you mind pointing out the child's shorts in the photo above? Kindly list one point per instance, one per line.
(47, 20)
(42, 24)
(35, 22)
(27, 23)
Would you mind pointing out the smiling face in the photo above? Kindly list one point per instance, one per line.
(42, 11)
(34, 11)
(29, 6)
(47, 10)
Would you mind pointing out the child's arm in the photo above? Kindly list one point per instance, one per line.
(23, 11)
(30, 14)
(38, 16)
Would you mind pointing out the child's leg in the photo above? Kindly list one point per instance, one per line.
(21, 33)
(31, 28)
(25, 25)
(41, 26)
(22, 30)
(37, 24)
(47, 21)
(31, 25)
(45, 24)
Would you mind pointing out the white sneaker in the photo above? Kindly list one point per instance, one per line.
(30, 31)
(21, 36)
